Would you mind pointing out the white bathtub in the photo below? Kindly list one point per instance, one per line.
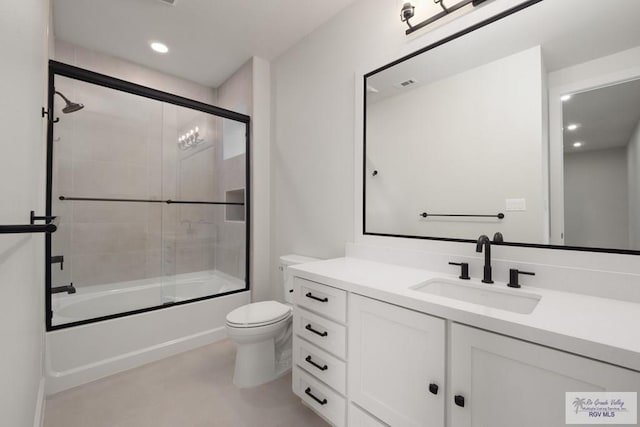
(104, 300)
(80, 354)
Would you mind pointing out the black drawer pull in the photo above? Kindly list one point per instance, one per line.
(459, 400)
(310, 295)
(322, 368)
(308, 393)
(433, 388)
(309, 328)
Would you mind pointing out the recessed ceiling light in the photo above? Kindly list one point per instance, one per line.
(159, 47)
(577, 144)
(572, 126)
(565, 98)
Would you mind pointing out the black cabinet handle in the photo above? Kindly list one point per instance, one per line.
(308, 393)
(309, 328)
(310, 295)
(433, 388)
(459, 400)
(322, 368)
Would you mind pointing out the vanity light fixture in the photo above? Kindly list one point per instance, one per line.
(408, 11)
(565, 98)
(577, 144)
(572, 126)
(159, 47)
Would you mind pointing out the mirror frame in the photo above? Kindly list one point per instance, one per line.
(420, 51)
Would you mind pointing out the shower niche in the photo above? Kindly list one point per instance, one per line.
(233, 210)
(139, 181)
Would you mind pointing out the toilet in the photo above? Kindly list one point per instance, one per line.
(262, 332)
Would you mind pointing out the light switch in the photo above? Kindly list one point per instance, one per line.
(516, 204)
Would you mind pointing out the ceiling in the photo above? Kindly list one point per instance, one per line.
(208, 39)
(606, 117)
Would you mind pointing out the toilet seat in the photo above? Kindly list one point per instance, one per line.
(258, 314)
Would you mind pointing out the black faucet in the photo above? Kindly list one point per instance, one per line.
(484, 241)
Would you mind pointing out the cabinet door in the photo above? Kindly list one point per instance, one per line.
(394, 355)
(506, 382)
(359, 418)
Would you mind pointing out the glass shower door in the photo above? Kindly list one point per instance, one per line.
(150, 191)
(203, 228)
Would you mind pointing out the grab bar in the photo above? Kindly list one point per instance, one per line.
(499, 215)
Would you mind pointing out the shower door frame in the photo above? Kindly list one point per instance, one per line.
(70, 71)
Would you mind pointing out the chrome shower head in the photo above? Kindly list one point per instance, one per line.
(71, 107)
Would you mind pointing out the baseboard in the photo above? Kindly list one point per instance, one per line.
(59, 381)
(38, 418)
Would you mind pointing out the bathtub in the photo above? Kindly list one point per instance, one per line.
(84, 353)
(104, 300)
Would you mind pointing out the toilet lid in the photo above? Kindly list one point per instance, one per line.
(258, 313)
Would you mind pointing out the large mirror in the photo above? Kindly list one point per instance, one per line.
(527, 126)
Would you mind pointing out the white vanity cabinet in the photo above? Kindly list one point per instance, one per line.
(396, 363)
(362, 362)
(507, 382)
(320, 349)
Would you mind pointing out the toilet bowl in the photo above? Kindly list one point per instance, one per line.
(262, 332)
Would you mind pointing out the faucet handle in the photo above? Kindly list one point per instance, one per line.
(464, 269)
(514, 275)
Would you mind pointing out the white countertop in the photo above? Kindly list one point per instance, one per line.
(599, 328)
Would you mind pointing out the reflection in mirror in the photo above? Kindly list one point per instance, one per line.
(459, 139)
(601, 166)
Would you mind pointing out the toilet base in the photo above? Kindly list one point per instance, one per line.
(261, 359)
(255, 365)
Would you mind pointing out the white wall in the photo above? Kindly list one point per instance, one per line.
(436, 150)
(263, 287)
(316, 159)
(633, 170)
(596, 206)
(24, 46)
(312, 153)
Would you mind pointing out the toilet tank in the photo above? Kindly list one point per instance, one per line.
(287, 279)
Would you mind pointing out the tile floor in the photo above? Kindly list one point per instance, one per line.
(191, 389)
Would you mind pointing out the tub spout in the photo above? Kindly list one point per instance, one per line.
(68, 289)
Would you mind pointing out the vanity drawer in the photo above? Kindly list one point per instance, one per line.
(319, 397)
(324, 333)
(323, 299)
(320, 364)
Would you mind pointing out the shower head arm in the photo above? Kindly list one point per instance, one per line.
(63, 97)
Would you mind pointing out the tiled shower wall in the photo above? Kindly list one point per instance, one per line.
(123, 146)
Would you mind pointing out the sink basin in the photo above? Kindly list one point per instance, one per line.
(503, 299)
